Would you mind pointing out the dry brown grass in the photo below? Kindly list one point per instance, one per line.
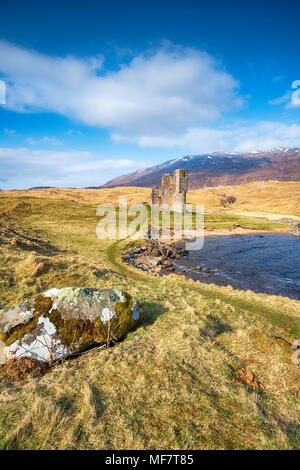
(264, 198)
(85, 196)
(19, 370)
(170, 384)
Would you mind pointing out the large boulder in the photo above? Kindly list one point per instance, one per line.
(295, 228)
(61, 322)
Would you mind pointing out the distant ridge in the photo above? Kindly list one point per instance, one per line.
(214, 169)
(40, 187)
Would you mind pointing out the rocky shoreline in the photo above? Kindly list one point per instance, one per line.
(295, 228)
(160, 259)
(157, 258)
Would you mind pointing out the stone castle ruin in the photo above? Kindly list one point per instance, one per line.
(172, 194)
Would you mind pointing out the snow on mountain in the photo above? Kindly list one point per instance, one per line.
(217, 168)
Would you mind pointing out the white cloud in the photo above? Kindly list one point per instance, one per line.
(197, 139)
(245, 137)
(266, 135)
(10, 132)
(44, 140)
(2, 92)
(282, 99)
(291, 98)
(24, 168)
(169, 89)
(74, 132)
(169, 97)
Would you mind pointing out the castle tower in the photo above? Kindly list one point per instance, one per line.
(167, 191)
(181, 188)
(155, 199)
(173, 191)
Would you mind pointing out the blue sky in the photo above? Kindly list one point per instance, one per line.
(98, 89)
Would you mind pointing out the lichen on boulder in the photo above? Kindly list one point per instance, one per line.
(61, 322)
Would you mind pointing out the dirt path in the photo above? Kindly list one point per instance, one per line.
(208, 233)
(266, 215)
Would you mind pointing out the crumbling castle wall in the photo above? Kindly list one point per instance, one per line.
(172, 195)
(155, 198)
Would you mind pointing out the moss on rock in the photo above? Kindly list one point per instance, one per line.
(80, 318)
(18, 331)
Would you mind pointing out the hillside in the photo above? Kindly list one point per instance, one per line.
(177, 382)
(221, 169)
(273, 199)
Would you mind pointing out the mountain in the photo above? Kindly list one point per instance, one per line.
(39, 187)
(216, 169)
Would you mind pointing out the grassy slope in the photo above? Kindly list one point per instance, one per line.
(169, 383)
(268, 197)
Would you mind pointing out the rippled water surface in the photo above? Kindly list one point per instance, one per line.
(268, 263)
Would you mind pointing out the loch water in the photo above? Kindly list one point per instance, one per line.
(265, 263)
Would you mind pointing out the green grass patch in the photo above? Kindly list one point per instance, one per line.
(170, 383)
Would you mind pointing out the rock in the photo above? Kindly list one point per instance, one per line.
(170, 268)
(136, 251)
(285, 220)
(154, 252)
(98, 272)
(157, 255)
(64, 321)
(153, 261)
(295, 228)
(168, 264)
